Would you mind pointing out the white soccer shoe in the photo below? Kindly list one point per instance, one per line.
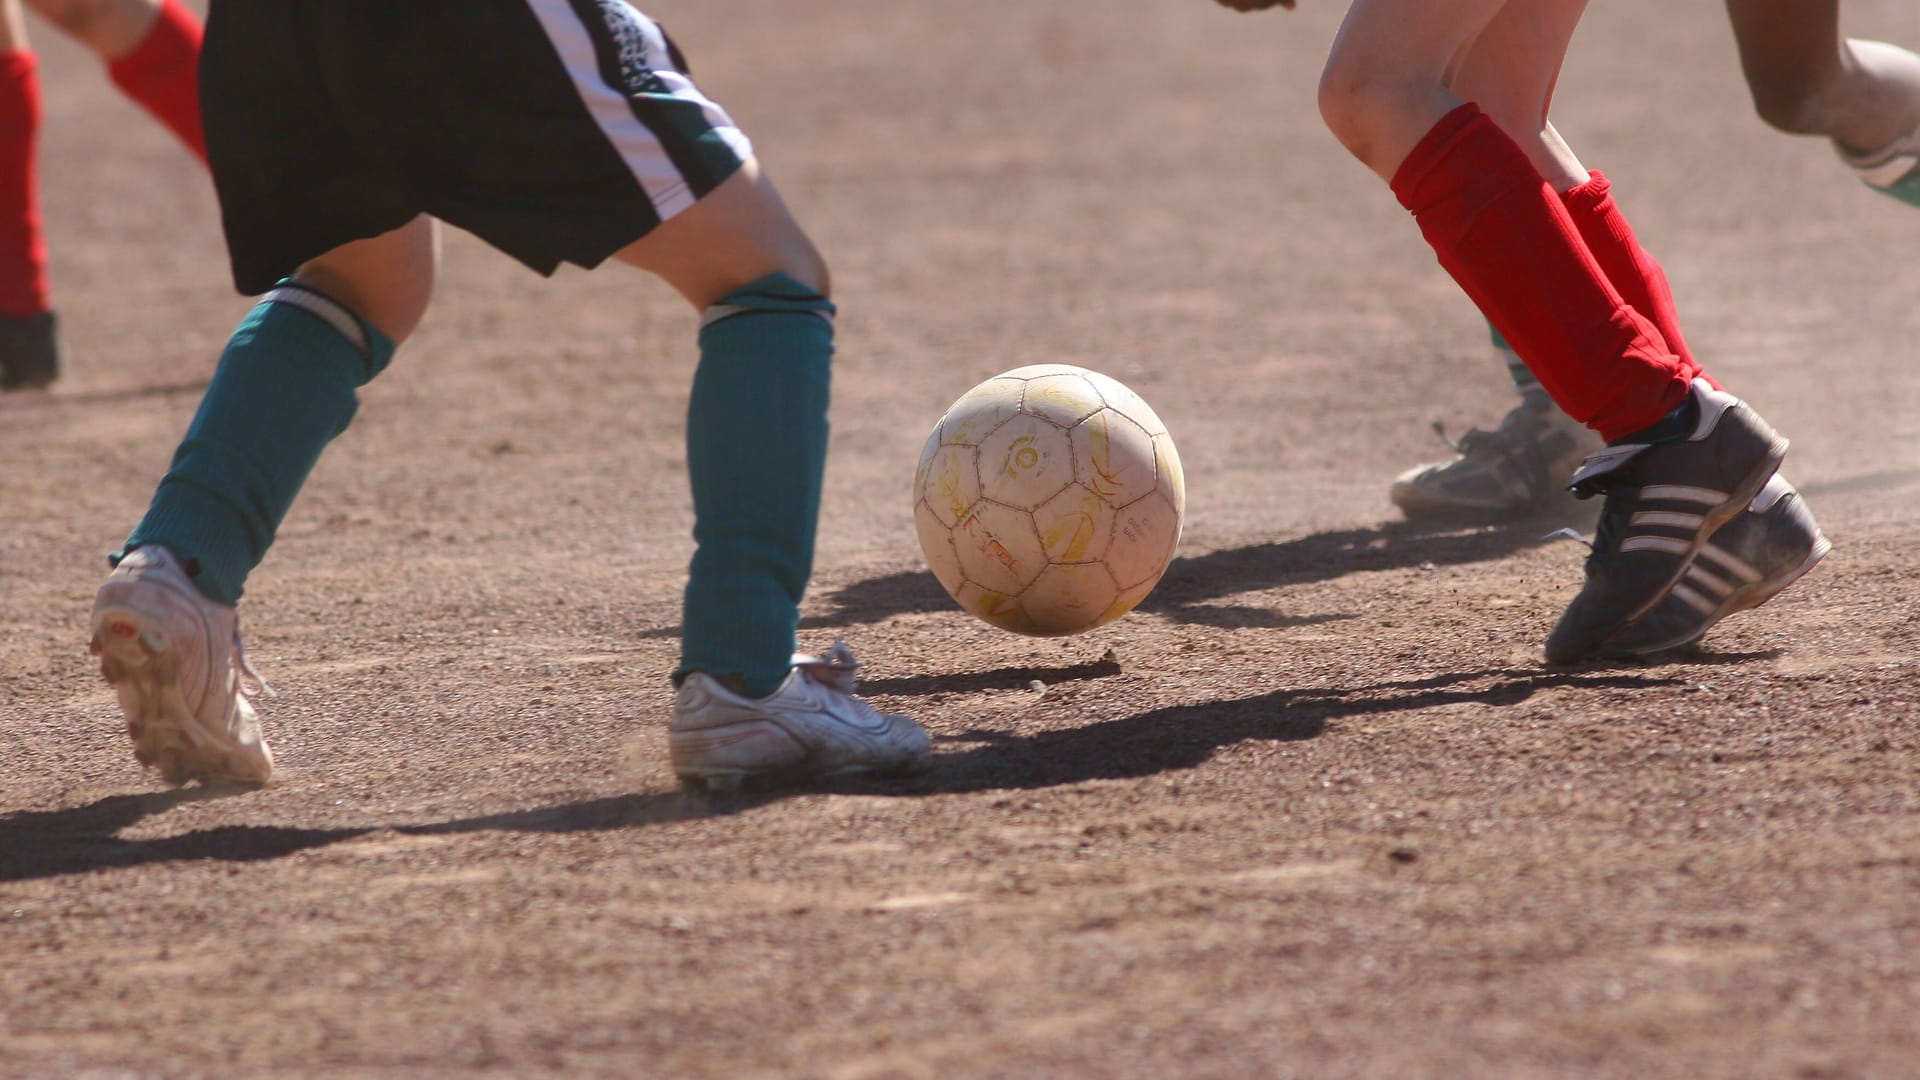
(811, 728)
(1894, 169)
(174, 658)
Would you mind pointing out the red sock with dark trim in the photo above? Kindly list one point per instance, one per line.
(23, 250)
(1504, 234)
(162, 73)
(1631, 269)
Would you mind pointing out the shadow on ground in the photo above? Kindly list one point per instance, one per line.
(50, 843)
(1191, 585)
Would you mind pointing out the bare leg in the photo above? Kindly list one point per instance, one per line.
(1806, 79)
(111, 28)
(740, 232)
(13, 27)
(386, 280)
(1398, 66)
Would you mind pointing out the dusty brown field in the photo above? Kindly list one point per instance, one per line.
(1323, 814)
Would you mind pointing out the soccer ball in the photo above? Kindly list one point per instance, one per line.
(1049, 500)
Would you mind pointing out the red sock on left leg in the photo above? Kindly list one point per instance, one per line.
(1501, 230)
(162, 73)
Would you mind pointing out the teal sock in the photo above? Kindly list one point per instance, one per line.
(283, 389)
(756, 456)
(1906, 189)
(1523, 377)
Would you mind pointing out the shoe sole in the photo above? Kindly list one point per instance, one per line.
(1737, 601)
(167, 736)
(1741, 496)
(685, 749)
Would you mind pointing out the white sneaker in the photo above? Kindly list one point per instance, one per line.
(1518, 470)
(1894, 169)
(174, 658)
(811, 728)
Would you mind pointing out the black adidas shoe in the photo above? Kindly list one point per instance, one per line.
(29, 351)
(1664, 501)
(1764, 549)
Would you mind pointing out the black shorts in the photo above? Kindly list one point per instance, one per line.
(556, 130)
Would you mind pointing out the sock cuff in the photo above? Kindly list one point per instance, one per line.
(777, 292)
(19, 63)
(1465, 130)
(1594, 196)
(173, 40)
(375, 348)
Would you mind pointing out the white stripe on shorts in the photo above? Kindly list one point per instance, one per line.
(637, 145)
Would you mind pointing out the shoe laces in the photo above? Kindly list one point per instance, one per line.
(1568, 533)
(1505, 440)
(1466, 443)
(838, 670)
(1606, 532)
(252, 683)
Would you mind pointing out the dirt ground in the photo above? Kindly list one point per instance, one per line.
(1316, 810)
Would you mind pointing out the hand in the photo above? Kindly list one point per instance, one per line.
(1255, 5)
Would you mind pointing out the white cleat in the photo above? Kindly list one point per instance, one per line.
(175, 661)
(811, 728)
(1894, 169)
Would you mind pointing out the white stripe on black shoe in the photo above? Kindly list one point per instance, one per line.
(1664, 502)
(1746, 563)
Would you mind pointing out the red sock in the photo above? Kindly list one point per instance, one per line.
(1634, 273)
(23, 250)
(162, 73)
(1501, 230)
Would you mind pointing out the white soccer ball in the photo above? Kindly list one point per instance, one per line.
(1049, 500)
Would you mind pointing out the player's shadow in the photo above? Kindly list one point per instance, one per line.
(49, 843)
(1007, 678)
(84, 839)
(1192, 585)
(31, 401)
(78, 840)
(1184, 736)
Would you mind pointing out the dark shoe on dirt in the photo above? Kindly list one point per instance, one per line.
(1664, 502)
(29, 351)
(1766, 548)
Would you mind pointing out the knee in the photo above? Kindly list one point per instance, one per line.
(1359, 107)
(385, 280)
(807, 266)
(101, 25)
(392, 305)
(1786, 100)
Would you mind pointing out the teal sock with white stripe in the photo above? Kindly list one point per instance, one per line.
(756, 456)
(283, 390)
(1524, 380)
